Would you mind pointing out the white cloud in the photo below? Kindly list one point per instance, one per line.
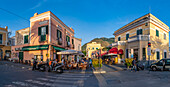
(38, 4)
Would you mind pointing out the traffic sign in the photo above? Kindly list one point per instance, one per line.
(149, 51)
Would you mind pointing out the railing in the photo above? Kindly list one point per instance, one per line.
(139, 38)
(119, 43)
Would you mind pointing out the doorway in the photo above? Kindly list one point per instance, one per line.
(135, 54)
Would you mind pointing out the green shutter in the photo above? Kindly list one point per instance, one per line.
(43, 37)
(137, 32)
(72, 41)
(26, 39)
(157, 33)
(0, 38)
(140, 31)
(60, 34)
(127, 36)
(57, 33)
(39, 31)
(47, 29)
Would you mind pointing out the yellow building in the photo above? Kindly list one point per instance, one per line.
(133, 38)
(5, 48)
(91, 47)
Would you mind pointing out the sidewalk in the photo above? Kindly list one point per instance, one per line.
(113, 68)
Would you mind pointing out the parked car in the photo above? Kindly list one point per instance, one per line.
(159, 64)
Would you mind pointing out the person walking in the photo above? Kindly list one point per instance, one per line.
(163, 62)
(34, 64)
(134, 64)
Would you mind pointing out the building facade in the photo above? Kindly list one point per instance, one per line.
(5, 48)
(92, 47)
(46, 36)
(133, 38)
(77, 44)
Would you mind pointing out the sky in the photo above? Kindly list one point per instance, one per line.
(89, 18)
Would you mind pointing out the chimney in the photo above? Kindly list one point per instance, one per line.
(35, 14)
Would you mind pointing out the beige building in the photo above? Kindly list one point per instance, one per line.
(133, 38)
(5, 48)
(91, 47)
(77, 44)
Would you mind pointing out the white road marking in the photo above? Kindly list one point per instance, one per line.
(9, 86)
(24, 84)
(49, 84)
(62, 81)
(67, 78)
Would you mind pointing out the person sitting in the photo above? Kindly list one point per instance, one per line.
(69, 65)
(74, 65)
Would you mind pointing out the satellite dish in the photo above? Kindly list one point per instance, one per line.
(9, 33)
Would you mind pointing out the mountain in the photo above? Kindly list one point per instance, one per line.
(103, 41)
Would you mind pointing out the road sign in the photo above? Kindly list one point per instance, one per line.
(149, 51)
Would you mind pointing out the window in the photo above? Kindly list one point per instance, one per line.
(139, 32)
(157, 33)
(0, 38)
(67, 38)
(97, 48)
(127, 54)
(127, 36)
(164, 36)
(119, 38)
(164, 54)
(167, 62)
(93, 48)
(59, 34)
(25, 39)
(144, 54)
(42, 31)
(72, 41)
(157, 55)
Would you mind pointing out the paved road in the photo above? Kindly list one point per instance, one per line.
(13, 75)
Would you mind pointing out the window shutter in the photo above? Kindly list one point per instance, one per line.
(57, 34)
(39, 31)
(137, 32)
(140, 31)
(47, 29)
(72, 41)
(26, 39)
(60, 34)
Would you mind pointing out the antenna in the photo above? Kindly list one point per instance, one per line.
(149, 9)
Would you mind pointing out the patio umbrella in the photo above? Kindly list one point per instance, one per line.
(67, 52)
(79, 53)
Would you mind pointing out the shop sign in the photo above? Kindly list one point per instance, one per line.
(149, 51)
(43, 22)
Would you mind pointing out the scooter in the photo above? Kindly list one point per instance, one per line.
(57, 68)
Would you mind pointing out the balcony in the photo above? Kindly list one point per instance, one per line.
(119, 43)
(139, 38)
(2, 42)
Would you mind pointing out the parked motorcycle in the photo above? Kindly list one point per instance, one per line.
(57, 68)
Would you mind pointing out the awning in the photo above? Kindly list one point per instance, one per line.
(104, 53)
(120, 51)
(58, 48)
(67, 52)
(39, 47)
(114, 50)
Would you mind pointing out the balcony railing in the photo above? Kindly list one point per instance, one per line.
(119, 43)
(139, 38)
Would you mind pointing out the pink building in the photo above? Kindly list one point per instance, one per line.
(46, 36)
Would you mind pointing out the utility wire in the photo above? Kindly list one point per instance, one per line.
(14, 14)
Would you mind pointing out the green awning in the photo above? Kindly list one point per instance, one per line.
(39, 47)
(58, 48)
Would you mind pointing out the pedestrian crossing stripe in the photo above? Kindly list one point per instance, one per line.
(66, 78)
(62, 81)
